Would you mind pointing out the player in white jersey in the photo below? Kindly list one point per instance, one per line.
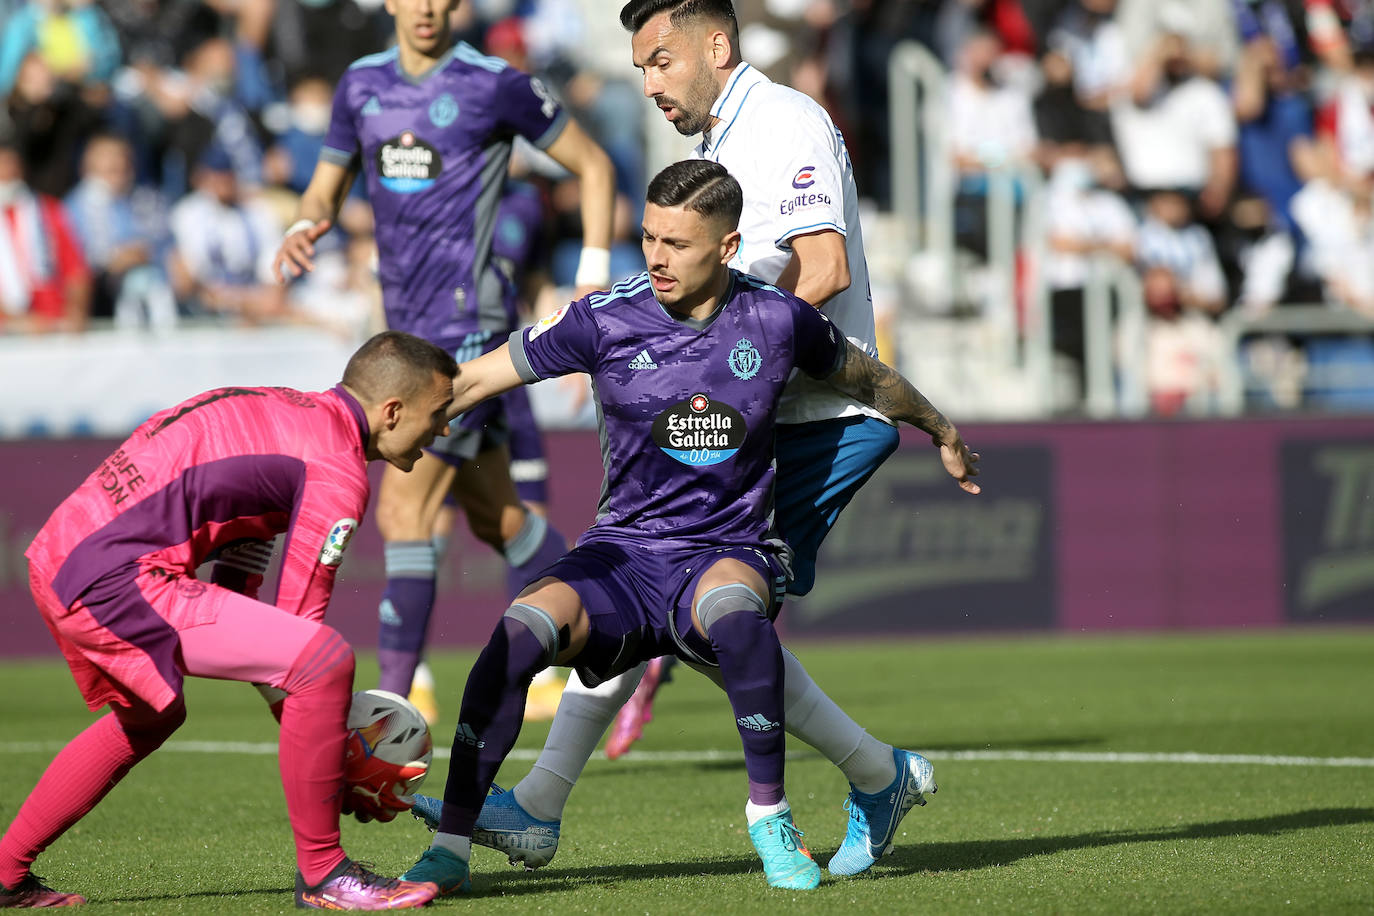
(800, 231)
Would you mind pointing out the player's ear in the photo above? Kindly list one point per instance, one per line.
(729, 246)
(391, 412)
(718, 48)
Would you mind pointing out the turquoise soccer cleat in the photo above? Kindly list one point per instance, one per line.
(441, 868)
(786, 862)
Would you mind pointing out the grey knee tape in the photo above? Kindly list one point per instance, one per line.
(540, 624)
(728, 599)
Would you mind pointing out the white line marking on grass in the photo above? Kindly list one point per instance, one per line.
(266, 748)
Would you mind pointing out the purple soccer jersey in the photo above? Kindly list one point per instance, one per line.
(686, 406)
(434, 151)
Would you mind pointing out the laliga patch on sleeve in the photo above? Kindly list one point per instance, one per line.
(548, 321)
(331, 554)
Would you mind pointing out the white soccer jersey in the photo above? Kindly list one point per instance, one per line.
(791, 161)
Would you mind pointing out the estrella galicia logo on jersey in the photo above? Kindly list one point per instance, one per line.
(805, 178)
(699, 431)
(331, 554)
(745, 360)
(406, 164)
(443, 111)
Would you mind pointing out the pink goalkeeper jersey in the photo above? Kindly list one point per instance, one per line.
(226, 465)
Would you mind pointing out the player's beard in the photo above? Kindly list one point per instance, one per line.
(695, 109)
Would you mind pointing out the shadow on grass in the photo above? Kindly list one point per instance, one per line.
(967, 855)
(256, 893)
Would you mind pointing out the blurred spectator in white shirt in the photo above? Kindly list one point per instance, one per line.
(124, 233)
(224, 243)
(1184, 291)
(1179, 131)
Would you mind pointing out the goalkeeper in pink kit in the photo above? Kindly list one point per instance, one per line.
(114, 574)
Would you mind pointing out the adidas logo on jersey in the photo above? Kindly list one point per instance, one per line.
(465, 734)
(643, 361)
(372, 107)
(757, 722)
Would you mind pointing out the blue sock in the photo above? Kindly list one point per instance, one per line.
(489, 720)
(750, 657)
(535, 547)
(404, 612)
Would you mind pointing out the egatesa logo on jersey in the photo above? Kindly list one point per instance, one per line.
(699, 431)
(805, 178)
(406, 164)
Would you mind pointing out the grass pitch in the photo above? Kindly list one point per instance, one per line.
(1063, 788)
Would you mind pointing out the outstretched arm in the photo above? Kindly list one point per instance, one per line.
(318, 207)
(578, 153)
(485, 377)
(883, 388)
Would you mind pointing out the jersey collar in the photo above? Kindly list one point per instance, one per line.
(356, 409)
(727, 108)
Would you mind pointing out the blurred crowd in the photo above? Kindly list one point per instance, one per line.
(151, 151)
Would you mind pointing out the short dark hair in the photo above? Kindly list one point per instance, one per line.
(634, 14)
(701, 186)
(395, 364)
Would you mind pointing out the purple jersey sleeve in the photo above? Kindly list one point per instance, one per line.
(529, 109)
(819, 346)
(341, 140)
(557, 344)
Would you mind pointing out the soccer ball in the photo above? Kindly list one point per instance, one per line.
(387, 753)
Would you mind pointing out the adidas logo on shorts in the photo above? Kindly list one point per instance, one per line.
(757, 722)
(643, 361)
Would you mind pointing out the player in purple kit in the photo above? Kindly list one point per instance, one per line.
(688, 363)
(430, 125)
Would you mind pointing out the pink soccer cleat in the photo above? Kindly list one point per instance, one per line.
(637, 712)
(33, 893)
(353, 886)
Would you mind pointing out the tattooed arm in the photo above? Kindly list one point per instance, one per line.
(883, 388)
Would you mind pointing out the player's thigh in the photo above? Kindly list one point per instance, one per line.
(727, 574)
(408, 501)
(564, 607)
(820, 467)
(247, 640)
(484, 489)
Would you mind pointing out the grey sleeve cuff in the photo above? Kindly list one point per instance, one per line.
(551, 133)
(520, 359)
(337, 156)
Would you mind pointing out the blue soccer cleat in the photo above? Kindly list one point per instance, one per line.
(428, 810)
(505, 826)
(441, 868)
(786, 862)
(873, 819)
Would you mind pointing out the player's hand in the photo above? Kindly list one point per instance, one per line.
(297, 253)
(959, 462)
(365, 807)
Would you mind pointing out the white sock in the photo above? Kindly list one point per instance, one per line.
(544, 677)
(871, 767)
(755, 813)
(814, 718)
(460, 846)
(584, 714)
